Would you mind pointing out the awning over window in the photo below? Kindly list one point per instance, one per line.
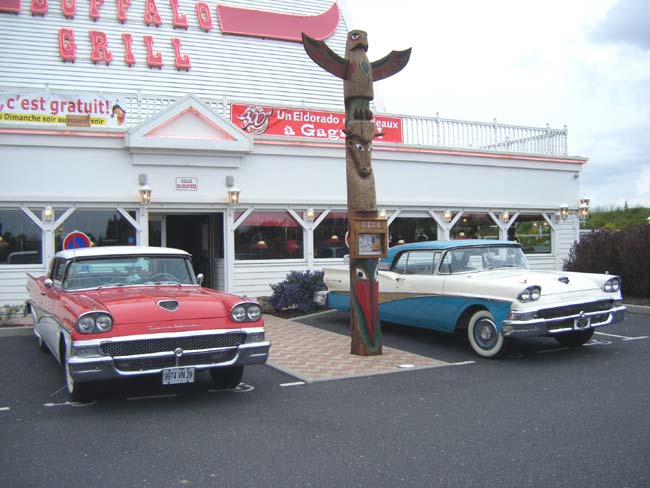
(270, 219)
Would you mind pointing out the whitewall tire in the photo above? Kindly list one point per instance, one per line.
(484, 337)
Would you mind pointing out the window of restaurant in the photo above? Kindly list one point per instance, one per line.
(532, 232)
(103, 227)
(412, 229)
(21, 240)
(329, 236)
(475, 226)
(269, 235)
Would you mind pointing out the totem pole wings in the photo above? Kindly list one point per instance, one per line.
(327, 59)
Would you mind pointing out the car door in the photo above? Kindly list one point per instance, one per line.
(414, 290)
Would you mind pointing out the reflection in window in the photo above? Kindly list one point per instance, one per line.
(475, 226)
(20, 238)
(269, 235)
(103, 227)
(412, 229)
(532, 232)
(329, 236)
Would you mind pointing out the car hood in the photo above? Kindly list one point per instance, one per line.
(549, 281)
(138, 304)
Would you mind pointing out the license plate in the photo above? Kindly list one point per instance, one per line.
(582, 323)
(174, 376)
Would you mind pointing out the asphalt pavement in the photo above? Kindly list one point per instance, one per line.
(542, 416)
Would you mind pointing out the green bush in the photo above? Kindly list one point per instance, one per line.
(624, 252)
(297, 290)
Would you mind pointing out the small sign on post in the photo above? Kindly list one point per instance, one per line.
(371, 236)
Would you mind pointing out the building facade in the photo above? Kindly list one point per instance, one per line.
(140, 122)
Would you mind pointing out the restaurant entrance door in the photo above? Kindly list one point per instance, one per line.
(200, 234)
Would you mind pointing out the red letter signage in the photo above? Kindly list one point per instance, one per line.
(99, 45)
(154, 60)
(39, 7)
(68, 8)
(129, 58)
(12, 6)
(151, 15)
(67, 47)
(182, 60)
(179, 20)
(204, 16)
(94, 9)
(122, 7)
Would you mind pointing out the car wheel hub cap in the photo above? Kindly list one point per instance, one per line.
(486, 334)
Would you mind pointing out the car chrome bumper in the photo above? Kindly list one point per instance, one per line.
(86, 366)
(561, 325)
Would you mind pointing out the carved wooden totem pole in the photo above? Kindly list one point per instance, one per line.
(368, 238)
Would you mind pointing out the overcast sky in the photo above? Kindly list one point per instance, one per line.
(580, 63)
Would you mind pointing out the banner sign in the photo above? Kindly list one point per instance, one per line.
(297, 122)
(64, 110)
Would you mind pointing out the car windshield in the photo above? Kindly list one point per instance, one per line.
(128, 271)
(467, 260)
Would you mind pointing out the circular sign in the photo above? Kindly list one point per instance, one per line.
(76, 240)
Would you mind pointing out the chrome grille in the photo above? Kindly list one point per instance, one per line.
(569, 310)
(144, 364)
(168, 344)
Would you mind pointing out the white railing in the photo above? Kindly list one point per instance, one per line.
(418, 131)
(435, 131)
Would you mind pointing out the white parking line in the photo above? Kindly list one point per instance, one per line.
(295, 383)
(625, 338)
(69, 404)
(462, 363)
(4, 409)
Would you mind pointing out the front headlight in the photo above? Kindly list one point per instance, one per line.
(530, 294)
(246, 312)
(612, 285)
(94, 323)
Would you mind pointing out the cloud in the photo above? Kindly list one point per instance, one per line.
(626, 22)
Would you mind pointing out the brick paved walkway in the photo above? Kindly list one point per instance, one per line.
(312, 354)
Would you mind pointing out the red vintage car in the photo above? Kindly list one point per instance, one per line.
(116, 312)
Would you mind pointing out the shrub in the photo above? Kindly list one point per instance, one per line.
(622, 252)
(297, 290)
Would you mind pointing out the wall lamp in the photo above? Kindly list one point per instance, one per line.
(564, 211)
(48, 215)
(447, 216)
(310, 214)
(233, 193)
(145, 194)
(505, 216)
(584, 209)
(145, 189)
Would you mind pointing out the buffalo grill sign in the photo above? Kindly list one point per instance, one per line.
(231, 20)
(292, 122)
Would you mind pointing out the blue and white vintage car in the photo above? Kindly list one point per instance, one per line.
(485, 289)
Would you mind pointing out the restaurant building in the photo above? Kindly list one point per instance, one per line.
(205, 126)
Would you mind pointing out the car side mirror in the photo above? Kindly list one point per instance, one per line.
(200, 278)
(48, 283)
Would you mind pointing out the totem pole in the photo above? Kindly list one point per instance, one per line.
(368, 236)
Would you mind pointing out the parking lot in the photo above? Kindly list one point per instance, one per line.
(431, 414)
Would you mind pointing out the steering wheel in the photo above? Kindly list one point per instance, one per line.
(163, 277)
